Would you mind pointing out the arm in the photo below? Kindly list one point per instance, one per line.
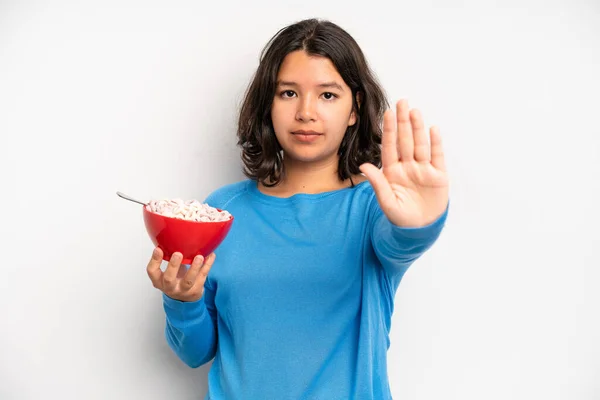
(412, 190)
(188, 302)
(191, 328)
(397, 247)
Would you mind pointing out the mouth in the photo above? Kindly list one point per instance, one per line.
(306, 133)
(306, 136)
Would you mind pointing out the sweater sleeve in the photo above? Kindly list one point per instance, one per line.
(191, 328)
(397, 247)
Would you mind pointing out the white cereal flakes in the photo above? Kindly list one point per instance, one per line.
(190, 210)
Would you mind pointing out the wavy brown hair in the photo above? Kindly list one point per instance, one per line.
(261, 152)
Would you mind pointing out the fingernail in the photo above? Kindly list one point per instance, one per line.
(155, 253)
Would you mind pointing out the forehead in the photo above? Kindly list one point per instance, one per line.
(308, 70)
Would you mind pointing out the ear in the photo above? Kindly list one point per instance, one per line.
(352, 119)
(354, 113)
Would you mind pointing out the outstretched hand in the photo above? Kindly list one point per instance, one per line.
(412, 186)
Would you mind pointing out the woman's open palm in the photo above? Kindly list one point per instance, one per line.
(412, 187)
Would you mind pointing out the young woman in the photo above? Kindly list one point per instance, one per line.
(299, 304)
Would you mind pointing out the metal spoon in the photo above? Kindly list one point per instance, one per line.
(131, 198)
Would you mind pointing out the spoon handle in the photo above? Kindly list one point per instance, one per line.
(123, 195)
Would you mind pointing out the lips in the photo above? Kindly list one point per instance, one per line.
(306, 133)
(306, 136)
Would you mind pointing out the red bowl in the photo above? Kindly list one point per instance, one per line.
(190, 238)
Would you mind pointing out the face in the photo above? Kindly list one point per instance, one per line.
(312, 109)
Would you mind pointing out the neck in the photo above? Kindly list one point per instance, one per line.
(308, 178)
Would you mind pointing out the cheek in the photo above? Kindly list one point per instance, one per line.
(335, 119)
(279, 115)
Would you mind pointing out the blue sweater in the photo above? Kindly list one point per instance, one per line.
(298, 304)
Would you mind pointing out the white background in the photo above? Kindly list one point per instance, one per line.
(143, 98)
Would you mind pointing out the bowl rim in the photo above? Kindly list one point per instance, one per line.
(187, 220)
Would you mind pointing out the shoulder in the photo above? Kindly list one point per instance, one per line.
(365, 193)
(222, 196)
(363, 187)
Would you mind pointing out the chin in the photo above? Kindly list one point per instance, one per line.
(307, 156)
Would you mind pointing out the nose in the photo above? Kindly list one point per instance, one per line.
(306, 110)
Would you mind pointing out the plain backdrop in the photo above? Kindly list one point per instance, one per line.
(142, 97)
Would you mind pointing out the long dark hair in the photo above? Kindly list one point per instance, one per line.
(261, 152)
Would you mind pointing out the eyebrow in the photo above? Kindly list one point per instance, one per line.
(322, 85)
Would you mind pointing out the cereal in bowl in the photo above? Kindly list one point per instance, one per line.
(190, 210)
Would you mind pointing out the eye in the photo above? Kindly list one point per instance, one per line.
(288, 94)
(329, 96)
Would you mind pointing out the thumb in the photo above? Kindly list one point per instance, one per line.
(381, 186)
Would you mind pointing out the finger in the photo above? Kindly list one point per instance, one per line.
(421, 151)
(170, 274)
(381, 186)
(389, 152)
(437, 152)
(153, 268)
(208, 263)
(183, 268)
(203, 273)
(190, 277)
(405, 134)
